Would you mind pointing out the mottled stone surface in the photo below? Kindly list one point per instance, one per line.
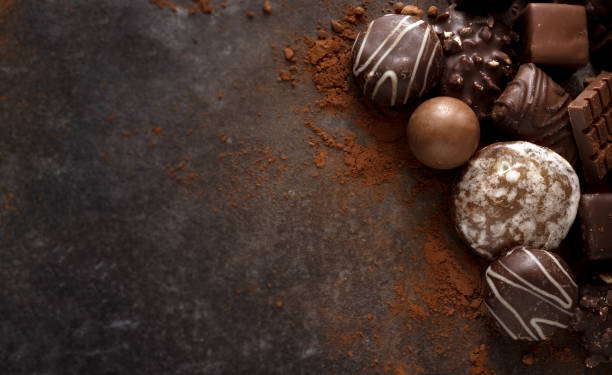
(108, 266)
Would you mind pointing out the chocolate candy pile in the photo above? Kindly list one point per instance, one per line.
(516, 199)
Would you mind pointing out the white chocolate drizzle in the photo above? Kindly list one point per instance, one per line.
(389, 43)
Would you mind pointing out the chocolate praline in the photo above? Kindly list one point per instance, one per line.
(443, 132)
(396, 60)
(530, 294)
(478, 57)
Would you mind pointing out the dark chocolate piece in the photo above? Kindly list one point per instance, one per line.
(595, 213)
(531, 294)
(483, 6)
(443, 132)
(513, 194)
(533, 108)
(593, 320)
(396, 60)
(591, 117)
(478, 56)
(554, 35)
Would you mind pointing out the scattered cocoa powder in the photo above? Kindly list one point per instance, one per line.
(267, 7)
(478, 359)
(320, 159)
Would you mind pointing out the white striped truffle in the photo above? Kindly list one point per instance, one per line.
(514, 194)
(396, 60)
(530, 294)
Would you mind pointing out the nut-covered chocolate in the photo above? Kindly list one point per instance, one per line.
(530, 294)
(396, 60)
(478, 57)
(513, 194)
(443, 132)
(533, 108)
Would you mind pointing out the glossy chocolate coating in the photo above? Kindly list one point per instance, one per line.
(599, 22)
(591, 118)
(533, 108)
(595, 213)
(530, 294)
(594, 322)
(396, 60)
(443, 132)
(513, 194)
(554, 35)
(478, 57)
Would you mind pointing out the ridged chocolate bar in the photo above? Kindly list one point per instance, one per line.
(591, 117)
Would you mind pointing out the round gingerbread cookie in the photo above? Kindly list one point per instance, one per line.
(515, 194)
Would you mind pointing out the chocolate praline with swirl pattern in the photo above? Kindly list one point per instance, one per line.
(396, 60)
(531, 294)
(533, 108)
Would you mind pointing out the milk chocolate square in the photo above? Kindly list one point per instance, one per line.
(554, 35)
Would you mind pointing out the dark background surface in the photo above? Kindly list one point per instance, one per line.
(108, 266)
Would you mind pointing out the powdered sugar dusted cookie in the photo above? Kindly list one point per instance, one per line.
(515, 194)
(531, 294)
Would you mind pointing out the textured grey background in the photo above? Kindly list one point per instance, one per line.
(107, 266)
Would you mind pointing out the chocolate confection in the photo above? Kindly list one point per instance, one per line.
(533, 108)
(591, 117)
(478, 57)
(599, 21)
(593, 320)
(396, 60)
(443, 132)
(554, 35)
(595, 213)
(483, 6)
(531, 294)
(513, 194)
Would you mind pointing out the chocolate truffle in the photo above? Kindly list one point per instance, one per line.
(533, 108)
(530, 293)
(396, 60)
(595, 212)
(594, 322)
(443, 132)
(591, 118)
(554, 35)
(513, 194)
(478, 57)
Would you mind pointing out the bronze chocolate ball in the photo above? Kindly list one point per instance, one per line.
(443, 132)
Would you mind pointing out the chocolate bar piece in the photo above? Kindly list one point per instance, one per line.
(595, 212)
(591, 117)
(593, 320)
(533, 108)
(554, 35)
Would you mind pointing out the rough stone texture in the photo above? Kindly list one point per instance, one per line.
(107, 266)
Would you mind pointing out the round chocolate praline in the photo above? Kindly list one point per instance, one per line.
(443, 132)
(513, 194)
(396, 60)
(530, 294)
(477, 56)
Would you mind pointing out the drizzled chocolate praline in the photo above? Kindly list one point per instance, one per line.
(396, 60)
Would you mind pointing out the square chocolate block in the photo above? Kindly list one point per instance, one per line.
(595, 213)
(554, 35)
